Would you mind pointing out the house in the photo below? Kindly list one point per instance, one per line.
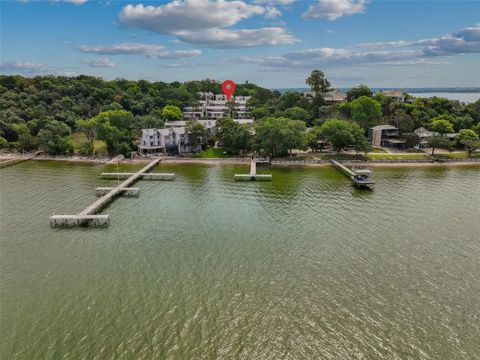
(330, 97)
(333, 97)
(174, 139)
(214, 107)
(385, 136)
(424, 135)
(396, 95)
(168, 140)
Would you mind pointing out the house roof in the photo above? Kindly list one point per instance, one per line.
(384, 127)
(179, 130)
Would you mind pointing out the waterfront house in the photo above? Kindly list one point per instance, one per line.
(333, 97)
(168, 140)
(396, 95)
(385, 136)
(424, 135)
(214, 107)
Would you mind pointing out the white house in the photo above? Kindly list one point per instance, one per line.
(396, 95)
(172, 140)
(214, 107)
(332, 97)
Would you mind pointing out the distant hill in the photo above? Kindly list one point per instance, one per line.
(409, 90)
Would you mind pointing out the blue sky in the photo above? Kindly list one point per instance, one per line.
(274, 43)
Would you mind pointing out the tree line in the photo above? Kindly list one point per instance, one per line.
(43, 112)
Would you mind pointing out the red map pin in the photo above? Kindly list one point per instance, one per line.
(228, 87)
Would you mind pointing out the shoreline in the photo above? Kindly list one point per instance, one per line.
(237, 161)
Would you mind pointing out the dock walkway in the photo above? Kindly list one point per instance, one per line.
(360, 179)
(253, 173)
(90, 213)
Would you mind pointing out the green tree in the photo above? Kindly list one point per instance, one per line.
(366, 111)
(318, 82)
(260, 112)
(25, 140)
(441, 126)
(313, 138)
(296, 113)
(403, 121)
(278, 136)
(197, 133)
(439, 142)
(469, 139)
(342, 133)
(55, 138)
(88, 127)
(114, 127)
(233, 135)
(412, 139)
(358, 91)
(171, 113)
(476, 128)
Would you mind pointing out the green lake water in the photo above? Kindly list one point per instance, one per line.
(303, 267)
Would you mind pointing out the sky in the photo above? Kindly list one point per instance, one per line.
(273, 43)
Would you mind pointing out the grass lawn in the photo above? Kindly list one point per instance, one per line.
(215, 153)
(378, 150)
(412, 156)
(458, 155)
(98, 145)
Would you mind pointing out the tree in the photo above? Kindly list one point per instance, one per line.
(88, 127)
(412, 139)
(476, 128)
(469, 139)
(318, 82)
(25, 140)
(259, 112)
(233, 135)
(197, 133)
(114, 127)
(358, 91)
(438, 142)
(342, 133)
(441, 126)
(171, 113)
(297, 113)
(55, 138)
(277, 136)
(313, 138)
(403, 121)
(366, 111)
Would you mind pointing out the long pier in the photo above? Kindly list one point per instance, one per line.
(89, 215)
(359, 178)
(253, 173)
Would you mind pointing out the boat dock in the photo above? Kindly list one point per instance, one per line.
(90, 214)
(360, 178)
(253, 176)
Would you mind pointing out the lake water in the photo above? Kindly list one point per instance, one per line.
(304, 267)
(463, 97)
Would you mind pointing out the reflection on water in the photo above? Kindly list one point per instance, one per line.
(305, 266)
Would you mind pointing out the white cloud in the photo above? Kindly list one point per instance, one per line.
(272, 12)
(274, 2)
(148, 50)
(464, 41)
(207, 22)
(188, 15)
(101, 62)
(232, 38)
(76, 2)
(334, 9)
(22, 66)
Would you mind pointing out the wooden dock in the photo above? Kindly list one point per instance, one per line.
(360, 178)
(253, 176)
(90, 214)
